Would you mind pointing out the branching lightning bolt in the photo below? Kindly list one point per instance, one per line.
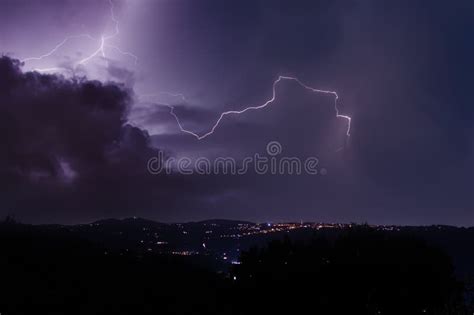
(265, 104)
(57, 47)
(101, 50)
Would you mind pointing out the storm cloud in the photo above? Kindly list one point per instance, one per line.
(68, 154)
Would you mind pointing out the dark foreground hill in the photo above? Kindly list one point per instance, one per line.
(361, 270)
(224, 240)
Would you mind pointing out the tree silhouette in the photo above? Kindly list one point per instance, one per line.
(363, 272)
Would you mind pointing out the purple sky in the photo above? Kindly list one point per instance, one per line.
(400, 68)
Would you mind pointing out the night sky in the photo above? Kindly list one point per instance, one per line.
(77, 132)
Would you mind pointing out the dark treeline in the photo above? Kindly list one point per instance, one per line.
(363, 271)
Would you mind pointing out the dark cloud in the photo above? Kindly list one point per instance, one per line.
(49, 119)
(68, 155)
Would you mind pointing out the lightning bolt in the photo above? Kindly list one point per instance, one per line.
(57, 47)
(101, 50)
(262, 106)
